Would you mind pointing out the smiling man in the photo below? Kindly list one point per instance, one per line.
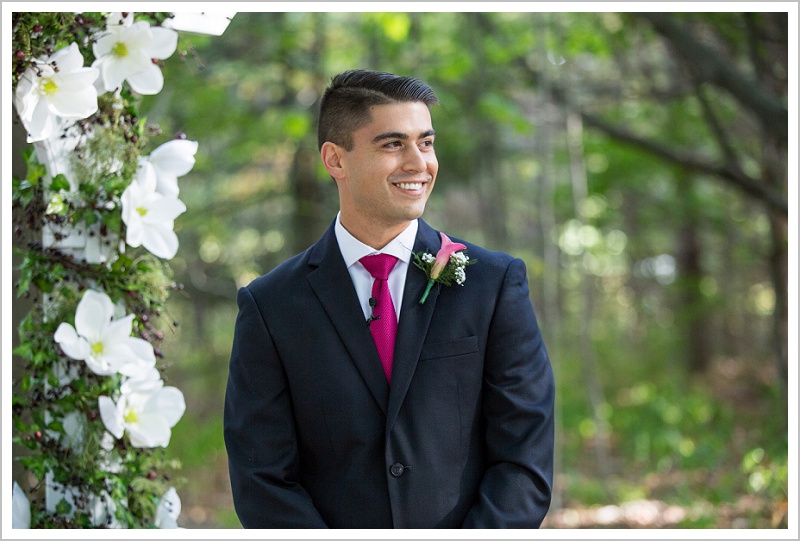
(350, 403)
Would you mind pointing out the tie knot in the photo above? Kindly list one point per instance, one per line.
(379, 265)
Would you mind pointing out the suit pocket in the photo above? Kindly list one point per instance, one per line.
(451, 348)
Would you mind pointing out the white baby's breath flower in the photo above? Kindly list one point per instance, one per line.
(459, 258)
(461, 276)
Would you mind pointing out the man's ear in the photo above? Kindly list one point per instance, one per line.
(332, 155)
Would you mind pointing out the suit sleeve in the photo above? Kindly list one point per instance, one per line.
(260, 432)
(517, 409)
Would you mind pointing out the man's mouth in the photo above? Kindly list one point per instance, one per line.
(410, 186)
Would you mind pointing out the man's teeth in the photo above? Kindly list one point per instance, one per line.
(410, 185)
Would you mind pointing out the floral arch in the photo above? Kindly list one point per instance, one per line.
(93, 220)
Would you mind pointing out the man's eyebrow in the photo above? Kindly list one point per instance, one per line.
(401, 135)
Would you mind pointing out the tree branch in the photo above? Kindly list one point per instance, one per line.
(706, 64)
(731, 173)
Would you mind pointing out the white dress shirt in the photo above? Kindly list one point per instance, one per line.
(353, 250)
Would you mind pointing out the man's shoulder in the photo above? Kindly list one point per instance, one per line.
(283, 276)
(496, 259)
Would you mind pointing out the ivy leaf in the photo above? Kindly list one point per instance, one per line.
(59, 182)
(63, 507)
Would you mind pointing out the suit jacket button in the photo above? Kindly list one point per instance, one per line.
(397, 469)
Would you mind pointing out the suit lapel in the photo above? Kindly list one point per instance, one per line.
(415, 318)
(333, 287)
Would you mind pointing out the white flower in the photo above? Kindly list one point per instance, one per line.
(105, 344)
(459, 258)
(150, 216)
(144, 382)
(168, 511)
(171, 160)
(58, 87)
(126, 52)
(20, 509)
(148, 417)
(461, 276)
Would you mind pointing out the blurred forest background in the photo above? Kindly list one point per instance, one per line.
(637, 162)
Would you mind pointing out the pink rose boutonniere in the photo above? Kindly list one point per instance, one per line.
(446, 267)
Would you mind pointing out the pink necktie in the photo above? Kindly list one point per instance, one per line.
(383, 323)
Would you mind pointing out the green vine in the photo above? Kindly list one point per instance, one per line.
(57, 424)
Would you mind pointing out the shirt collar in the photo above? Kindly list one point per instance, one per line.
(353, 249)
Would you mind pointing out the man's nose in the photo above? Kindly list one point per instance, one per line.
(415, 160)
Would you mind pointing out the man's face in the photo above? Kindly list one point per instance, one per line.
(389, 173)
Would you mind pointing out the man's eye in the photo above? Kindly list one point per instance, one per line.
(427, 143)
(392, 144)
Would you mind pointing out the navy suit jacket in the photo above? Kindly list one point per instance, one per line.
(317, 438)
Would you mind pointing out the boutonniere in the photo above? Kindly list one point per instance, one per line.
(446, 267)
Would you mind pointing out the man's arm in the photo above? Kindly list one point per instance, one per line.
(518, 399)
(260, 431)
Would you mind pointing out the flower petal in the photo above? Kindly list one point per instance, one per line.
(25, 98)
(444, 253)
(146, 178)
(171, 160)
(175, 157)
(169, 403)
(151, 430)
(72, 344)
(168, 510)
(147, 81)
(68, 58)
(75, 105)
(42, 123)
(161, 241)
(104, 45)
(119, 329)
(93, 315)
(164, 43)
(163, 210)
(145, 382)
(139, 358)
(111, 415)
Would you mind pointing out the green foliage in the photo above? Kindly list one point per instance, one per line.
(56, 417)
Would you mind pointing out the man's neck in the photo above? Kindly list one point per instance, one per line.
(375, 236)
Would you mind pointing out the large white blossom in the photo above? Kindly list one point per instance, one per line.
(20, 509)
(150, 216)
(146, 415)
(168, 510)
(104, 343)
(171, 160)
(55, 88)
(126, 52)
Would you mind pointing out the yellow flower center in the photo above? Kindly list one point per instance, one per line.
(97, 348)
(49, 87)
(131, 417)
(141, 210)
(120, 49)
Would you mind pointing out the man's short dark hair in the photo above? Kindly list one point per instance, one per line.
(345, 104)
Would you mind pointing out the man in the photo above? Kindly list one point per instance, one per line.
(455, 429)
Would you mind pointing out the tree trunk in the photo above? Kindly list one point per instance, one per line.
(690, 274)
